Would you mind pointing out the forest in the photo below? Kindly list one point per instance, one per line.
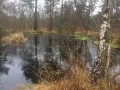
(59, 44)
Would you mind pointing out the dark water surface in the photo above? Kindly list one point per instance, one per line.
(18, 64)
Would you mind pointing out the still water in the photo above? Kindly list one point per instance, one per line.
(18, 65)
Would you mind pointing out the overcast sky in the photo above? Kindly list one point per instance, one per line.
(41, 1)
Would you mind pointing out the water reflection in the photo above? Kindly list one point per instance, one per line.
(30, 56)
(43, 55)
(3, 68)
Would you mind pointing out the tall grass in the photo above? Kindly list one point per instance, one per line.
(79, 78)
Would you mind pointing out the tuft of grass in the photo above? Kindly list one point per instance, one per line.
(14, 39)
(77, 79)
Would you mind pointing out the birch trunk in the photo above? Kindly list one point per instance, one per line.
(99, 69)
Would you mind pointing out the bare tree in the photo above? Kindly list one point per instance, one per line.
(50, 9)
(36, 19)
(61, 15)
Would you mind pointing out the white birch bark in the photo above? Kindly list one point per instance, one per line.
(99, 69)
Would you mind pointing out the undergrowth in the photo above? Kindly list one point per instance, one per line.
(78, 78)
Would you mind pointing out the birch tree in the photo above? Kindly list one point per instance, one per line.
(99, 70)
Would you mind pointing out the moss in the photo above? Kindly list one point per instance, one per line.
(82, 37)
(112, 45)
(115, 45)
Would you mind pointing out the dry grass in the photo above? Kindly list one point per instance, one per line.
(42, 30)
(116, 38)
(78, 79)
(14, 39)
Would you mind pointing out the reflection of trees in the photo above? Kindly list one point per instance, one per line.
(81, 48)
(53, 64)
(51, 70)
(31, 68)
(65, 49)
(115, 57)
(3, 68)
(72, 49)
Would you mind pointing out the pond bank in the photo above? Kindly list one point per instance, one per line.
(78, 79)
(54, 53)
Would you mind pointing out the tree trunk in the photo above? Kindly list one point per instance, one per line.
(35, 21)
(99, 70)
(61, 17)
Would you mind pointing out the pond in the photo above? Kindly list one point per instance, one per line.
(21, 65)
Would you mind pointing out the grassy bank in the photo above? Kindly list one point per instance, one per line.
(78, 78)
